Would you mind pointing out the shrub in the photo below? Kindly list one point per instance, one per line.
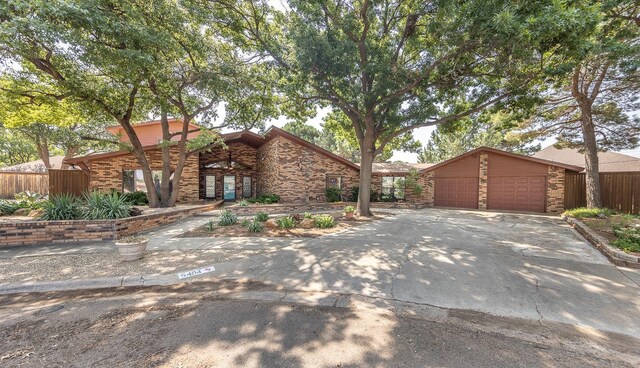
(374, 196)
(29, 199)
(353, 196)
(307, 215)
(286, 222)
(324, 221)
(255, 226)
(265, 199)
(8, 208)
(628, 238)
(349, 209)
(105, 206)
(261, 216)
(137, 198)
(588, 212)
(227, 218)
(245, 222)
(333, 194)
(62, 207)
(243, 203)
(210, 226)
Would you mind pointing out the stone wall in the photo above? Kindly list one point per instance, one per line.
(299, 174)
(482, 181)
(106, 173)
(555, 190)
(53, 232)
(429, 187)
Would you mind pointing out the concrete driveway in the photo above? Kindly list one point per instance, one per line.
(516, 265)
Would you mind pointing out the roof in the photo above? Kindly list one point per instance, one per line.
(115, 128)
(607, 161)
(36, 166)
(504, 153)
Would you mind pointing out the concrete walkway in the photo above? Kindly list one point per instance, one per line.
(513, 265)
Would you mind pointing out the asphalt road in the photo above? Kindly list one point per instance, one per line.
(194, 326)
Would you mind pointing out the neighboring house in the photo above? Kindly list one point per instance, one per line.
(36, 166)
(607, 161)
(150, 132)
(300, 172)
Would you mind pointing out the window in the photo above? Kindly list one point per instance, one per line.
(334, 181)
(393, 187)
(133, 180)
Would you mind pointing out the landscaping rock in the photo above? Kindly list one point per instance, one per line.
(22, 212)
(307, 223)
(271, 224)
(36, 213)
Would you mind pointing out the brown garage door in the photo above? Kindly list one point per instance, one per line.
(517, 193)
(456, 192)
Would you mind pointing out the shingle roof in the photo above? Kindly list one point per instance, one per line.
(608, 161)
(36, 166)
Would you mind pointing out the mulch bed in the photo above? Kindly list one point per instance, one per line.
(604, 226)
(238, 230)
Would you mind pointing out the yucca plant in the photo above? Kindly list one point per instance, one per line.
(286, 222)
(227, 218)
(8, 208)
(255, 226)
(62, 207)
(324, 221)
(261, 216)
(105, 206)
(210, 226)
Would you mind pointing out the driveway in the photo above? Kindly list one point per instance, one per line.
(516, 265)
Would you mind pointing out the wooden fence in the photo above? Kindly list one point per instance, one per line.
(68, 181)
(620, 191)
(12, 182)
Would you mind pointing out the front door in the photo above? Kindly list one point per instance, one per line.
(246, 187)
(229, 188)
(210, 186)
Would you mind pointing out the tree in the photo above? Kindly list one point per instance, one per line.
(590, 108)
(455, 139)
(393, 66)
(15, 148)
(126, 59)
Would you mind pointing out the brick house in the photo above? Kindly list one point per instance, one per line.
(300, 172)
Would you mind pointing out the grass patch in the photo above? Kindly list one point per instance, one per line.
(584, 212)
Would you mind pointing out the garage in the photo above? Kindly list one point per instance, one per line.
(487, 178)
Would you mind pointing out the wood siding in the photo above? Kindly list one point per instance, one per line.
(619, 191)
(16, 182)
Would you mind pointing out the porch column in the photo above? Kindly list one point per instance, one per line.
(482, 181)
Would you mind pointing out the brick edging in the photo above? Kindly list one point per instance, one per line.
(294, 207)
(615, 255)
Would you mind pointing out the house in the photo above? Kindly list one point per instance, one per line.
(36, 166)
(278, 162)
(607, 161)
(150, 132)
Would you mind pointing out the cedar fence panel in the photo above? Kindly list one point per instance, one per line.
(68, 181)
(620, 191)
(12, 182)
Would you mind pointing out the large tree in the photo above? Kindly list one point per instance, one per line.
(15, 148)
(127, 59)
(592, 107)
(393, 66)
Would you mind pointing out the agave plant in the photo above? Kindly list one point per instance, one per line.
(105, 206)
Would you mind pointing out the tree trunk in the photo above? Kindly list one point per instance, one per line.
(71, 152)
(592, 172)
(42, 146)
(367, 148)
(182, 159)
(165, 183)
(138, 152)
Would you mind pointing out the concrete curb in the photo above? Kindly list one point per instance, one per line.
(615, 255)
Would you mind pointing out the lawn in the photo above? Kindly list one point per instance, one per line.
(621, 230)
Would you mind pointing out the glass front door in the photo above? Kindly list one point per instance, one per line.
(210, 186)
(229, 187)
(246, 187)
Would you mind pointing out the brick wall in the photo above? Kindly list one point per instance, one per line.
(555, 190)
(483, 180)
(429, 187)
(106, 174)
(52, 232)
(301, 208)
(297, 173)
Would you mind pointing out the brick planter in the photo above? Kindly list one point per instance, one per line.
(48, 232)
(296, 208)
(615, 255)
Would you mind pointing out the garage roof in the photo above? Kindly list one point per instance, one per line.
(504, 153)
